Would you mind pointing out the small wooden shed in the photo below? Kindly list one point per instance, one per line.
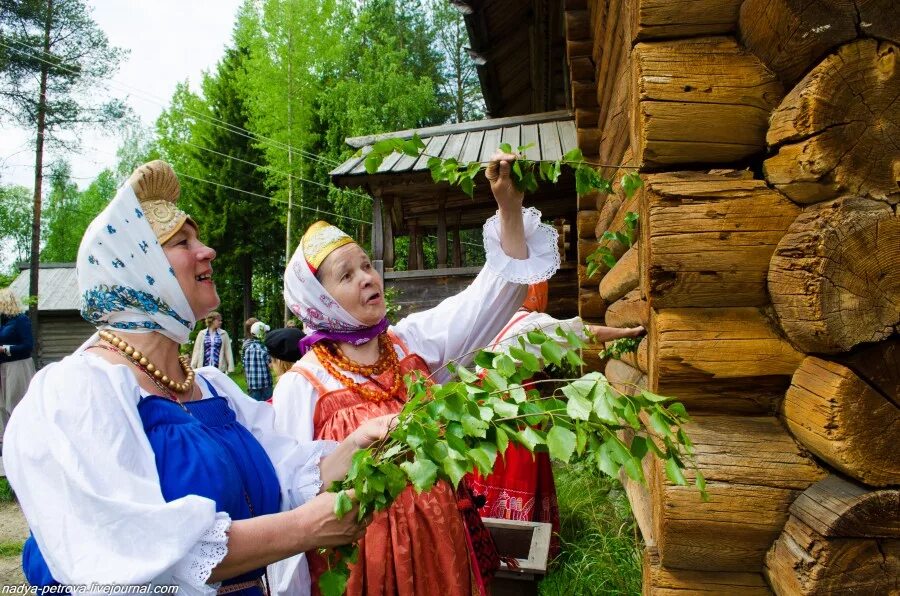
(60, 326)
(407, 202)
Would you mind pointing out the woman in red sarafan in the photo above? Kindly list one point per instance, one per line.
(353, 370)
(521, 485)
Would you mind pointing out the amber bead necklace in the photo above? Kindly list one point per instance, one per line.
(159, 378)
(332, 359)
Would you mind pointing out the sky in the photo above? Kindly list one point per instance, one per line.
(169, 41)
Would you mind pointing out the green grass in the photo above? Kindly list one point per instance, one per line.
(11, 549)
(601, 553)
(6, 492)
(238, 377)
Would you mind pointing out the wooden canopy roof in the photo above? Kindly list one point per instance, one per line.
(409, 181)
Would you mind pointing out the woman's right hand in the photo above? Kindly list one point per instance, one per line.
(322, 525)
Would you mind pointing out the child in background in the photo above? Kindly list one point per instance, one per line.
(256, 360)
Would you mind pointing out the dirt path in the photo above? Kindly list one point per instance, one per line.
(13, 529)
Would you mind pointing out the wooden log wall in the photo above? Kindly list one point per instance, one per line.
(765, 270)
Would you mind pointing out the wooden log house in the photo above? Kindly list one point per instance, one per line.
(764, 267)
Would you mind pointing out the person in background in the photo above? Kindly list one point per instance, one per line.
(213, 346)
(521, 485)
(16, 365)
(256, 360)
(284, 348)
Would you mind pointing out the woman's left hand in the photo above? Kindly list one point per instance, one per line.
(373, 430)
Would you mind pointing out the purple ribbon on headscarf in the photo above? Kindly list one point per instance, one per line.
(356, 338)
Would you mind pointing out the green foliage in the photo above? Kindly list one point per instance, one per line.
(445, 431)
(604, 255)
(6, 492)
(11, 549)
(460, 91)
(61, 41)
(600, 552)
(526, 173)
(392, 309)
(15, 224)
(70, 211)
(618, 347)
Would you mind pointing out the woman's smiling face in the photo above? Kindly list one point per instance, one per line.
(191, 260)
(348, 275)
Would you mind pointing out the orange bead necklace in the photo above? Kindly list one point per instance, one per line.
(332, 359)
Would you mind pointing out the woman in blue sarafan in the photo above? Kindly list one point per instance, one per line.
(132, 469)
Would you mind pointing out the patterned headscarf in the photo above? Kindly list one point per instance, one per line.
(322, 316)
(124, 277)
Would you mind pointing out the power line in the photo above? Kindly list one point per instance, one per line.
(204, 117)
(301, 207)
(289, 176)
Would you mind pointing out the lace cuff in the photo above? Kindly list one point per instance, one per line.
(543, 253)
(308, 479)
(196, 567)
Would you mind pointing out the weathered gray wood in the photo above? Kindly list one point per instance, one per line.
(444, 129)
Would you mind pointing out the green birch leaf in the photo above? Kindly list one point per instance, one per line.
(373, 162)
(684, 439)
(602, 408)
(573, 156)
(553, 352)
(505, 148)
(334, 582)
(561, 443)
(467, 376)
(638, 447)
(577, 407)
(634, 470)
(503, 408)
(652, 397)
(409, 148)
(677, 409)
(630, 416)
(573, 358)
(605, 462)
(467, 186)
(422, 473)
(485, 358)
(617, 449)
(501, 439)
(454, 470)
(494, 378)
(660, 425)
(505, 365)
(536, 337)
(342, 505)
(395, 479)
(674, 473)
(474, 427)
(417, 141)
(517, 393)
(528, 360)
(530, 438)
(580, 439)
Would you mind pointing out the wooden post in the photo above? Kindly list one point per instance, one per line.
(442, 234)
(412, 261)
(388, 223)
(420, 250)
(377, 228)
(457, 242)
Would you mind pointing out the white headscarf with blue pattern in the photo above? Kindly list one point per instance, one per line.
(124, 278)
